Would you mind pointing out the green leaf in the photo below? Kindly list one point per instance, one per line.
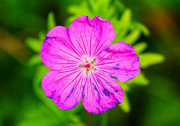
(142, 27)
(39, 115)
(102, 9)
(125, 105)
(41, 36)
(74, 9)
(121, 26)
(80, 10)
(132, 37)
(124, 86)
(70, 19)
(51, 23)
(139, 80)
(119, 5)
(34, 44)
(125, 20)
(93, 5)
(34, 60)
(140, 47)
(148, 59)
(105, 3)
(41, 71)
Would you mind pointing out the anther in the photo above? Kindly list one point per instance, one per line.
(87, 72)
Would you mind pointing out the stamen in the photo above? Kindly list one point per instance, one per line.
(88, 65)
(94, 60)
(87, 72)
(81, 66)
(86, 60)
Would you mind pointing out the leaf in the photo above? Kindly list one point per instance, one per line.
(125, 19)
(148, 59)
(74, 9)
(105, 3)
(34, 60)
(102, 9)
(93, 5)
(119, 5)
(125, 105)
(69, 20)
(41, 116)
(34, 44)
(143, 28)
(51, 23)
(140, 47)
(139, 80)
(41, 71)
(124, 86)
(132, 37)
(41, 36)
(80, 10)
(121, 26)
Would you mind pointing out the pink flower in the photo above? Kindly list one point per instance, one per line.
(84, 65)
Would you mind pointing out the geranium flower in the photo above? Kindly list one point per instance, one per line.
(84, 65)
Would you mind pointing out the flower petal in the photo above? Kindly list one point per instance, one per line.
(119, 61)
(101, 93)
(91, 36)
(64, 88)
(56, 52)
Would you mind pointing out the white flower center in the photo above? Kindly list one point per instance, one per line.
(88, 65)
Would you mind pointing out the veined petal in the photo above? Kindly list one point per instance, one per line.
(59, 32)
(56, 53)
(64, 88)
(91, 36)
(101, 93)
(119, 61)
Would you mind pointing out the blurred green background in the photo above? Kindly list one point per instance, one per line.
(152, 27)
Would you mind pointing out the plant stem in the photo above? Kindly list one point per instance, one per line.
(104, 119)
(89, 119)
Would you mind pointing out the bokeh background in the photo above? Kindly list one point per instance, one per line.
(151, 26)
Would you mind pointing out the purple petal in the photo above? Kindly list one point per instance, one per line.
(59, 32)
(56, 53)
(64, 88)
(101, 93)
(119, 62)
(91, 36)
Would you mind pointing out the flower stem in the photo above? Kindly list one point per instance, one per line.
(104, 119)
(89, 119)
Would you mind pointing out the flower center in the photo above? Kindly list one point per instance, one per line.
(88, 65)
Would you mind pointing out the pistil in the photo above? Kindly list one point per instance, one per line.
(87, 66)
